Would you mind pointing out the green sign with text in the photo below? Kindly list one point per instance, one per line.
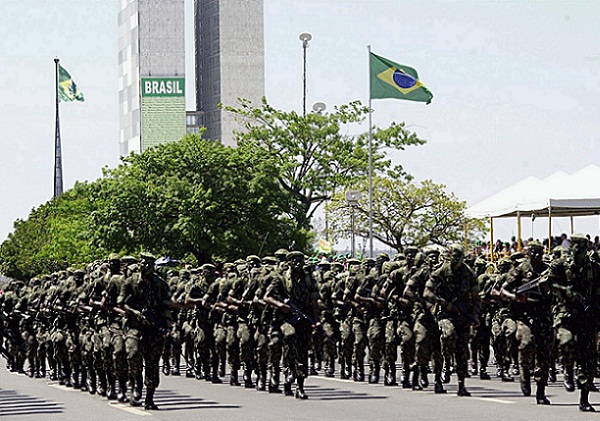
(163, 86)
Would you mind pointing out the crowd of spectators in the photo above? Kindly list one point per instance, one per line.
(505, 248)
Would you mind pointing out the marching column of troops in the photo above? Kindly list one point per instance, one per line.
(269, 323)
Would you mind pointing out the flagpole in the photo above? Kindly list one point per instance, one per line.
(370, 165)
(58, 175)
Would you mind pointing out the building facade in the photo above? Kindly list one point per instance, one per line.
(229, 49)
(151, 73)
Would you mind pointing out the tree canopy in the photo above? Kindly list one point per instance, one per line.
(404, 213)
(314, 155)
(194, 199)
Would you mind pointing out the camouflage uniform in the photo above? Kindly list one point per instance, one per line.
(577, 283)
(533, 330)
(299, 287)
(449, 286)
(146, 298)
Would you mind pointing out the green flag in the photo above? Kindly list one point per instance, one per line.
(393, 80)
(67, 88)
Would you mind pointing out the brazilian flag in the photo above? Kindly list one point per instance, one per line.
(393, 80)
(67, 88)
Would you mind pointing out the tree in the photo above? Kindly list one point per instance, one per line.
(404, 213)
(313, 154)
(54, 236)
(193, 196)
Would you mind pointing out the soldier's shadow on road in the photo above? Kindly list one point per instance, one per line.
(331, 394)
(484, 392)
(13, 404)
(168, 400)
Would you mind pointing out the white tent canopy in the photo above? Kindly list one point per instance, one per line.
(560, 194)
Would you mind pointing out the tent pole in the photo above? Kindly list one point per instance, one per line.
(549, 228)
(491, 239)
(519, 243)
(572, 226)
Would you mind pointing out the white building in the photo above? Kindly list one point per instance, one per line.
(151, 73)
(230, 61)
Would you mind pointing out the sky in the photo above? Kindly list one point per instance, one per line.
(516, 88)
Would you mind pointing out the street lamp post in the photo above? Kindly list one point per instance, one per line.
(352, 196)
(304, 37)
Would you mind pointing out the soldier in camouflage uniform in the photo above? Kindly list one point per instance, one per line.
(453, 289)
(330, 328)
(502, 322)
(146, 298)
(533, 333)
(358, 319)
(577, 283)
(201, 323)
(294, 288)
(219, 285)
(369, 293)
(426, 332)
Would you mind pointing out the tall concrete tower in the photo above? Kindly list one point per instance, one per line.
(151, 73)
(229, 61)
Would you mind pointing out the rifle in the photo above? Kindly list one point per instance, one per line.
(583, 303)
(532, 286)
(300, 317)
(152, 320)
(449, 296)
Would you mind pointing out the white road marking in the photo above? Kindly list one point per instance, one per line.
(492, 400)
(129, 408)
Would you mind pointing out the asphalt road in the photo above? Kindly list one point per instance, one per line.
(22, 398)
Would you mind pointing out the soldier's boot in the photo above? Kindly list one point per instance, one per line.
(102, 384)
(515, 370)
(261, 384)
(274, 381)
(359, 373)
(135, 394)
(311, 362)
(446, 373)
(300, 394)
(474, 367)
(76, 383)
(343, 372)
(438, 386)
(540, 393)
(568, 382)
(462, 390)
(552, 372)
(374, 373)
(248, 383)
(139, 384)
(221, 367)
(287, 389)
(31, 370)
(386, 374)
(506, 376)
(149, 404)
(330, 369)
(111, 392)
(415, 379)
(122, 393)
(406, 384)
(525, 381)
(483, 375)
(215, 375)
(176, 363)
(584, 401)
(424, 380)
(92, 382)
(84, 382)
(233, 378)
